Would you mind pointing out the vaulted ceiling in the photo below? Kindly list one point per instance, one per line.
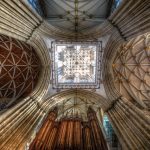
(76, 15)
(76, 102)
(62, 20)
(19, 70)
(131, 69)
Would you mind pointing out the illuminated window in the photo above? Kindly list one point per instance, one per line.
(115, 5)
(76, 65)
(110, 134)
(36, 5)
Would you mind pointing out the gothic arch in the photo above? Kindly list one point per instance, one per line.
(87, 97)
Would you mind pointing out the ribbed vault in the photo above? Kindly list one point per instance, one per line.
(76, 106)
(76, 15)
(131, 69)
(131, 19)
(72, 101)
(19, 70)
(76, 102)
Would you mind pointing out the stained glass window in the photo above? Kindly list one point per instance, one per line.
(36, 5)
(110, 134)
(116, 3)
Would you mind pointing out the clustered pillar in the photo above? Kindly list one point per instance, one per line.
(70, 133)
(131, 124)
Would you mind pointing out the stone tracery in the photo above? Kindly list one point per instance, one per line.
(19, 69)
(128, 21)
(131, 69)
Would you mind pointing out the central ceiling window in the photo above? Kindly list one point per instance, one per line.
(76, 64)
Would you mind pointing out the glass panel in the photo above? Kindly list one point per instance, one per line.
(116, 4)
(35, 5)
(110, 134)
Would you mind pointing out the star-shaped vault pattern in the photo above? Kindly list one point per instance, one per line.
(131, 69)
(76, 64)
(19, 68)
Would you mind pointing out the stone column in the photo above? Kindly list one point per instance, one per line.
(131, 123)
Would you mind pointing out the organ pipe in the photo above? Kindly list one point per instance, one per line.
(87, 137)
(41, 137)
(47, 132)
(77, 134)
(70, 133)
(98, 138)
(62, 135)
(52, 137)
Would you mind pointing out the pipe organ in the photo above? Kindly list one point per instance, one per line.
(69, 133)
(87, 139)
(98, 138)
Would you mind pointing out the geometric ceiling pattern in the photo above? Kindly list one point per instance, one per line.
(77, 105)
(19, 68)
(76, 65)
(131, 68)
